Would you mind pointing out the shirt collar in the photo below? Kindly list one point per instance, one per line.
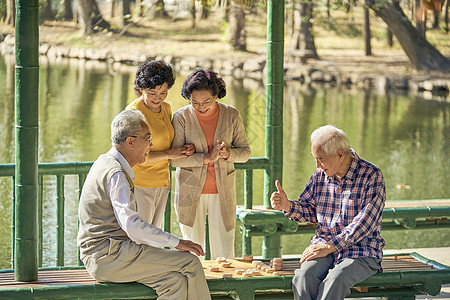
(125, 165)
(351, 172)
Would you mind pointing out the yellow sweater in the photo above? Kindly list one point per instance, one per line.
(155, 175)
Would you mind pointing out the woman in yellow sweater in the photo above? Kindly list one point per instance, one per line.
(152, 182)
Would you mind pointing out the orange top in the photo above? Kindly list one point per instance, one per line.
(209, 124)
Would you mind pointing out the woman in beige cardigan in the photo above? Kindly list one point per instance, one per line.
(205, 181)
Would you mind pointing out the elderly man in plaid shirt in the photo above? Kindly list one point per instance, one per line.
(345, 197)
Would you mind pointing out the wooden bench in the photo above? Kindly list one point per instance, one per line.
(404, 276)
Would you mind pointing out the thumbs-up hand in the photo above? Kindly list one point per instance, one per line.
(279, 199)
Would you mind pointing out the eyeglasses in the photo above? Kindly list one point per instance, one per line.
(146, 138)
(200, 104)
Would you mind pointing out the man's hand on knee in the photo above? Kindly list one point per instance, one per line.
(317, 251)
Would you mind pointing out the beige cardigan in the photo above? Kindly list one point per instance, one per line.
(191, 172)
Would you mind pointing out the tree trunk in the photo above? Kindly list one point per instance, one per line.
(367, 34)
(238, 34)
(84, 15)
(445, 16)
(112, 9)
(97, 19)
(68, 10)
(138, 9)
(328, 10)
(10, 12)
(193, 13)
(225, 5)
(421, 53)
(303, 31)
(48, 14)
(90, 17)
(206, 8)
(390, 38)
(126, 12)
(157, 10)
(420, 17)
(435, 19)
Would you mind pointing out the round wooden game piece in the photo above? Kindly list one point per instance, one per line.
(225, 265)
(264, 268)
(255, 273)
(239, 271)
(259, 266)
(278, 268)
(277, 259)
(246, 275)
(277, 273)
(248, 257)
(227, 275)
(221, 259)
(270, 270)
(256, 262)
(213, 269)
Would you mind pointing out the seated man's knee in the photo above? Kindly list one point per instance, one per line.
(316, 269)
(174, 284)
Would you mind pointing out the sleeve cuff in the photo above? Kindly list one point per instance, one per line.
(339, 243)
(173, 241)
(291, 211)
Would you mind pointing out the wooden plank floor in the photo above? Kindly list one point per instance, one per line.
(81, 277)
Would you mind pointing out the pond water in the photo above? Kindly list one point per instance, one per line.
(406, 136)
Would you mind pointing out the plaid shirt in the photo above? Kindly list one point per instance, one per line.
(347, 213)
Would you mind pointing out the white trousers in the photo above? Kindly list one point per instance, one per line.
(221, 241)
(151, 204)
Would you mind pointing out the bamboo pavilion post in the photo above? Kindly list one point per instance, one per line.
(274, 111)
(26, 132)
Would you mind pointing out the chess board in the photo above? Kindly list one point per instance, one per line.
(240, 264)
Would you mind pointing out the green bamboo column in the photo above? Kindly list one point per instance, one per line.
(274, 111)
(26, 111)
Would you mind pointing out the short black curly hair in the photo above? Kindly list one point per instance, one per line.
(152, 74)
(203, 80)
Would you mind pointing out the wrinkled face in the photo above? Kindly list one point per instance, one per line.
(330, 164)
(142, 144)
(203, 102)
(154, 97)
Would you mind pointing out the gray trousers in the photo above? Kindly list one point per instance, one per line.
(174, 274)
(318, 279)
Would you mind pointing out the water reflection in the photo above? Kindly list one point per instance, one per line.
(407, 137)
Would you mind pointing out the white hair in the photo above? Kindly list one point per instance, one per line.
(125, 124)
(330, 139)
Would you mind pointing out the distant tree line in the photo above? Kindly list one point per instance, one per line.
(409, 28)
